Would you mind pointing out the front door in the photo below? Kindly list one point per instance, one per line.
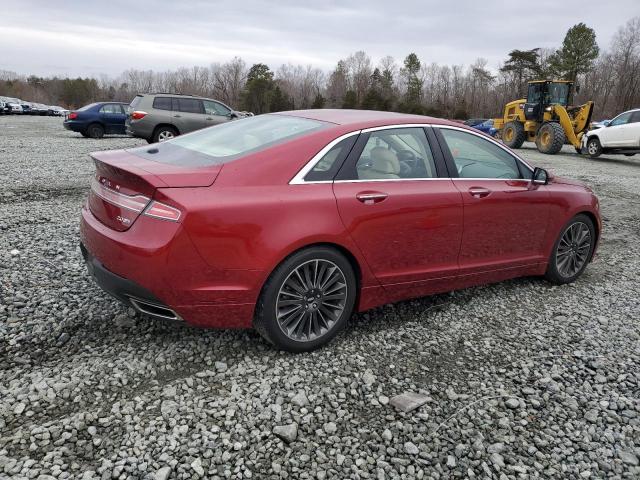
(505, 214)
(406, 221)
(215, 113)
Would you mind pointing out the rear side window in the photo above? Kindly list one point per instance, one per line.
(187, 105)
(327, 167)
(229, 141)
(110, 108)
(162, 103)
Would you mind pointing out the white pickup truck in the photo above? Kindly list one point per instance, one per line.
(621, 135)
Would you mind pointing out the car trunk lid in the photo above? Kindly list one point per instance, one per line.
(125, 183)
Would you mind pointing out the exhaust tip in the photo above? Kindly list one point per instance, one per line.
(153, 309)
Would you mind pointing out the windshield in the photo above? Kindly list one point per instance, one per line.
(229, 141)
(557, 93)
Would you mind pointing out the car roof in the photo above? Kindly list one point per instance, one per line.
(364, 118)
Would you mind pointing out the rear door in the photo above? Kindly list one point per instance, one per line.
(401, 210)
(215, 113)
(113, 117)
(188, 114)
(505, 214)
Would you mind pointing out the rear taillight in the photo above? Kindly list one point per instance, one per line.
(135, 203)
(138, 115)
(72, 116)
(163, 211)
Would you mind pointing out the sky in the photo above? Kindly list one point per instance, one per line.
(90, 38)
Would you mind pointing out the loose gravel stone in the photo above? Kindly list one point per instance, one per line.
(90, 389)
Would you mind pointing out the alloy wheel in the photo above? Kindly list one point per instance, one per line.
(311, 300)
(165, 135)
(573, 249)
(593, 148)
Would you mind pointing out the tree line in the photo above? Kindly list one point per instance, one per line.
(611, 78)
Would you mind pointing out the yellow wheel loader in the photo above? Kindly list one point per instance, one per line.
(545, 117)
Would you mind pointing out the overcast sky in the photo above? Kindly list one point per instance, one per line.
(73, 37)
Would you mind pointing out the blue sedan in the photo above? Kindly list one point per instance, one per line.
(487, 127)
(98, 119)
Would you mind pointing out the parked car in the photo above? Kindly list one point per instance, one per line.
(475, 121)
(3, 107)
(487, 127)
(157, 117)
(621, 135)
(292, 221)
(56, 111)
(15, 109)
(97, 119)
(26, 108)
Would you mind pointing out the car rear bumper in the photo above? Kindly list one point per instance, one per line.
(128, 292)
(154, 264)
(74, 126)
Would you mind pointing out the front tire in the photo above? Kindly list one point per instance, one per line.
(572, 251)
(594, 148)
(550, 138)
(307, 300)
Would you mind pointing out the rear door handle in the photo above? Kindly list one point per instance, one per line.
(479, 192)
(177, 116)
(369, 198)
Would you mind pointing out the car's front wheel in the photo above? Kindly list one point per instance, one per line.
(307, 300)
(594, 149)
(572, 250)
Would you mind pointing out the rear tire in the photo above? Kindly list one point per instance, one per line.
(307, 300)
(594, 149)
(95, 130)
(513, 134)
(164, 133)
(572, 251)
(550, 138)
(629, 154)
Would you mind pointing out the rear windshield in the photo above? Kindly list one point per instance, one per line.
(134, 103)
(229, 141)
(87, 107)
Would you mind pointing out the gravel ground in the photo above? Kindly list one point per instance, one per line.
(520, 379)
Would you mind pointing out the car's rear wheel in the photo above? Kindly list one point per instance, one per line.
(307, 300)
(95, 130)
(164, 133)
(594, 149)
(572, 251)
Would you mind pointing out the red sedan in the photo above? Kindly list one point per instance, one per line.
(290, 222)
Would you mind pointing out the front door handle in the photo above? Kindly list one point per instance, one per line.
(369, 198)
(479, 192)
(209, 118)
(177, 116)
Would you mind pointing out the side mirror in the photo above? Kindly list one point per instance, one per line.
(540, 176)
(232, 115)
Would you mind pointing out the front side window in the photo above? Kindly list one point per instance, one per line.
(621, 119)
(399, 153)
(476, 157)
(635, 117)
(215, 108)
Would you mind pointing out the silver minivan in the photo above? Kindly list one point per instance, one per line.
(157, 117)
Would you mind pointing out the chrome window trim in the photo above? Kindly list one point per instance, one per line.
(299, 177)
